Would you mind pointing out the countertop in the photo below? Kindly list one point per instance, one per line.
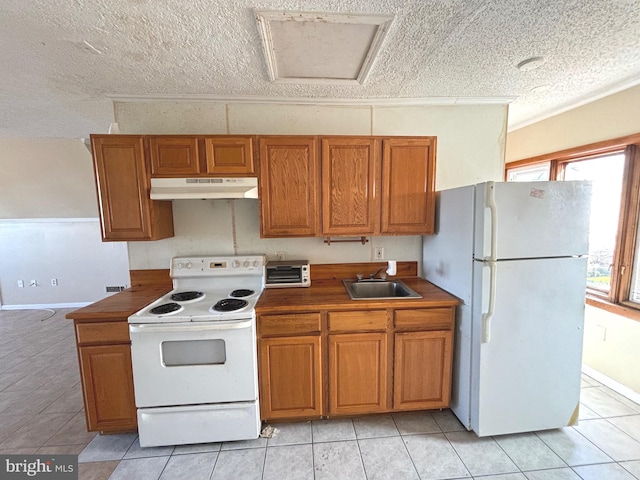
(321, 295)
(119, 306)
(331, 295)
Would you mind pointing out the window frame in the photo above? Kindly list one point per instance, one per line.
(616, 300)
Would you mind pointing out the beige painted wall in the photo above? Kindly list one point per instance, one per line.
(611, 346)
(470, 149)
(611, 117)
(49, 227)
(46, 178)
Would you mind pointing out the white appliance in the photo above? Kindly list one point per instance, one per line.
(194, 357)
(515, 254)
(203, 187)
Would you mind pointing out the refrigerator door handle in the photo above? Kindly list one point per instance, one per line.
(488, 316)
(490, 203)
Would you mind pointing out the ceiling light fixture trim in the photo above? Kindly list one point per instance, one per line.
(530, 64)
(270, 22)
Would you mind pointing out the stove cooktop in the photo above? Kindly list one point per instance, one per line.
(211, 305)
(211, 288)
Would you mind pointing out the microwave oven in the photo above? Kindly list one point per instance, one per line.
(284, 274)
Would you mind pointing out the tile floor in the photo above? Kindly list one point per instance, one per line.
(41, 411)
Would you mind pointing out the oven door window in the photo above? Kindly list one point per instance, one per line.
(193, 352)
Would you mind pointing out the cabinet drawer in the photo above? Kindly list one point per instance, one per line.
(426, 318)
(288, 324)
(102, 332)
(357, 321)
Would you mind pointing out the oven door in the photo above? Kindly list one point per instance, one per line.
(194, 363)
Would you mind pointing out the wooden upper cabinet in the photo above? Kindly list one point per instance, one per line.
(194, 156)
(350, 179)
(122, 178)
(289, 172)
(408, 186)
(174, 156)
(230, 155)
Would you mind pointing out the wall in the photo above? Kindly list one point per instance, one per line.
(607, 118)
(470, 149)
(49, 226)
(610, 117)
(46, 177)
(68, 250)
(611, 346)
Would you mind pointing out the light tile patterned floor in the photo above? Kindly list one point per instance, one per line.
(41, 410)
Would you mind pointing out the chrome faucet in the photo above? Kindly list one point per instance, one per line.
(374, 275)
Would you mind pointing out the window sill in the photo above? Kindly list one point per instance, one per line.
(622, 310)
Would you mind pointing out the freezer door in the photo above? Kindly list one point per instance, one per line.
(526, 359)
(532, 219)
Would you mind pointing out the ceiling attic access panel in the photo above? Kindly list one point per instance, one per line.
(321, 48)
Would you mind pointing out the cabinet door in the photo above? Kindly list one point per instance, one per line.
(408, 186)
(288, 187)
(126, 211)
(350, 179)
(357, 373)
(290, 377)
(174, 156)
(107, 382)
(229, 155)
(422, 370)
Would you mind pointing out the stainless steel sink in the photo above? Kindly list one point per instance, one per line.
(378, 289)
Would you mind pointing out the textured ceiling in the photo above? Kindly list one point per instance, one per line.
(63, 60)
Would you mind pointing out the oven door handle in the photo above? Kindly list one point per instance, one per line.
(188, 327)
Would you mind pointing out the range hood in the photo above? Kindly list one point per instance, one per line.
(185, 188)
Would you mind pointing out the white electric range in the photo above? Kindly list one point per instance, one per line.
(193, 353)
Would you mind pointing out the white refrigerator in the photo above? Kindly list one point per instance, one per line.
(515, 254)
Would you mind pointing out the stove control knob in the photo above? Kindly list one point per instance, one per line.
(235, 264)
(246, 263)
(256, 263)
(179, 266)
(189, 265)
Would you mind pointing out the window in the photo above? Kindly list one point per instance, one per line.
(605, 174)
(613, 167)
(529, 173)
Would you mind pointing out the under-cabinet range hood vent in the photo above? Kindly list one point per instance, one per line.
(186, 188)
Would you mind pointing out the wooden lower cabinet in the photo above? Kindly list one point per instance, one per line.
(357, 373)
(352, 362)
(107, 381)
(290, 377)
(104, 353)
(415, 386)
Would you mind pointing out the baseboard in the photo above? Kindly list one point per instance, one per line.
(611, 383)
(40, 306)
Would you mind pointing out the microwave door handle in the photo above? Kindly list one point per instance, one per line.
(187, 327)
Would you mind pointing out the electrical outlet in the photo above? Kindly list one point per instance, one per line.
(33, 283)
(279, 256)
(54, 282)
(20, 284)
(378, 253)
